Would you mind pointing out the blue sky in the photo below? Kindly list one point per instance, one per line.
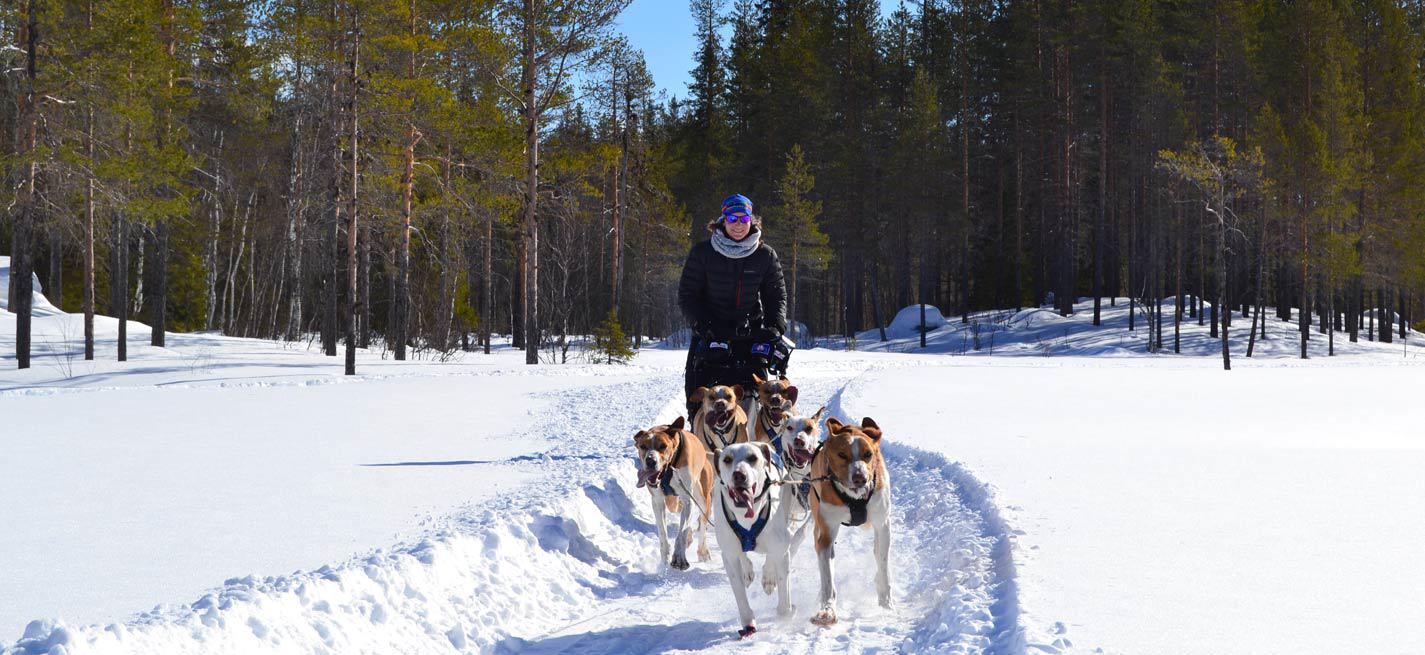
(663, 30)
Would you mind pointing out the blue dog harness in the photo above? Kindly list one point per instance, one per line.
(748, 536)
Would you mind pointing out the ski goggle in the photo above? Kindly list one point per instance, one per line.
(737, 218)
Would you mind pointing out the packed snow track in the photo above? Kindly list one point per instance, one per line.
(569, 563)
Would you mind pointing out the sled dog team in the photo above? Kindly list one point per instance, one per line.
(760, 479)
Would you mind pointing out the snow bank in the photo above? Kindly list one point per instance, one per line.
(907, 321)
(40, 305)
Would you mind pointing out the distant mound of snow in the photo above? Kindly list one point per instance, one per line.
(39, 304)
(1036, 317)
(907, 321)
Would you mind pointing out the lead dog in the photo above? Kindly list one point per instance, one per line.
(795, 444)
(776, 402)
(674, 466)
(750, 519)
(720, 422)
(851, 489)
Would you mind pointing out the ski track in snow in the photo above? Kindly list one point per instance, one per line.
(570, 564)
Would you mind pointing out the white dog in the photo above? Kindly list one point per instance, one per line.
(795, 444)
(750, 518)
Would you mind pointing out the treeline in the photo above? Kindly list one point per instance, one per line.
(990, 153)
(409, 175)
(421, 174)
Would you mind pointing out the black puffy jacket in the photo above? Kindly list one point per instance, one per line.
(717, 293)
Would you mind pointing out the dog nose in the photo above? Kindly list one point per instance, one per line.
(739, 477)
(858, 478)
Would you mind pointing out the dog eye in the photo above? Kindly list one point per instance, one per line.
(844, 456)
(751, 459)
(865, 456)
(660, 448)
(727, 460)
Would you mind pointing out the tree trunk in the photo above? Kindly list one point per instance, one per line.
(487, 291)
(529, 247)
(89, 219)
(352, 229)
(210, 254)
(22, 289)
(119, 284)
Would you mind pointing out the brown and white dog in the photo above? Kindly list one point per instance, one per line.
(673, 464)
(853, 489)
(776, 401)
(720, 422)
(750, 518)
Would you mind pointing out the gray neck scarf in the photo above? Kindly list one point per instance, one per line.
(736, 249)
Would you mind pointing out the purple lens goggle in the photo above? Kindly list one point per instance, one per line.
(737, 217)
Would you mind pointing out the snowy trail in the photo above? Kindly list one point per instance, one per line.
(569, 564)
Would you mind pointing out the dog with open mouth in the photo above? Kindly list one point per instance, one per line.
(674, 466)
(795, 444)
(776, 401)
(850, 488)
(751, 519)
(721, 421)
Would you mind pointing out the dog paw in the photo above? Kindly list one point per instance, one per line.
(747, 631)
(768, 584)
(748, 575)
(679, 562)
(825, 617)
(703, 554)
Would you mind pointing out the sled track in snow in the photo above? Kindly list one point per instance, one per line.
(570, 564)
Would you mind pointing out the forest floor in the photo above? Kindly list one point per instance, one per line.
(1051, 500)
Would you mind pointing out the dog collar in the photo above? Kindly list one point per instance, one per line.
(721, 434)
(856, 505)
(748, 536)
(665, 481)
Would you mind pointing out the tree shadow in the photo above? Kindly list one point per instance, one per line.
(625, 640)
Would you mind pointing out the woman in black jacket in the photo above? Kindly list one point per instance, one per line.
(734, 298)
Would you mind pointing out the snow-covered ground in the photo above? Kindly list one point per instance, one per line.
(1051, 501)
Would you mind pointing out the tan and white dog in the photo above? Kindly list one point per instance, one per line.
(776, 401)
(720, 422)
(853, 489)
(795, 444)
(674, 466)
(750, 519)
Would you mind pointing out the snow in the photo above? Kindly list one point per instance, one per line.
(39, 304)
(1057, 490)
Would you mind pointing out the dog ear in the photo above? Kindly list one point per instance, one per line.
(817, 416)
(639, 437)
(784, 379)
(792, 393)
(677, 424)
(871, 429)
(736, 392)
(717, 460)
(698, 395)
(757, 380)
(766, 450)
(833, 425)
